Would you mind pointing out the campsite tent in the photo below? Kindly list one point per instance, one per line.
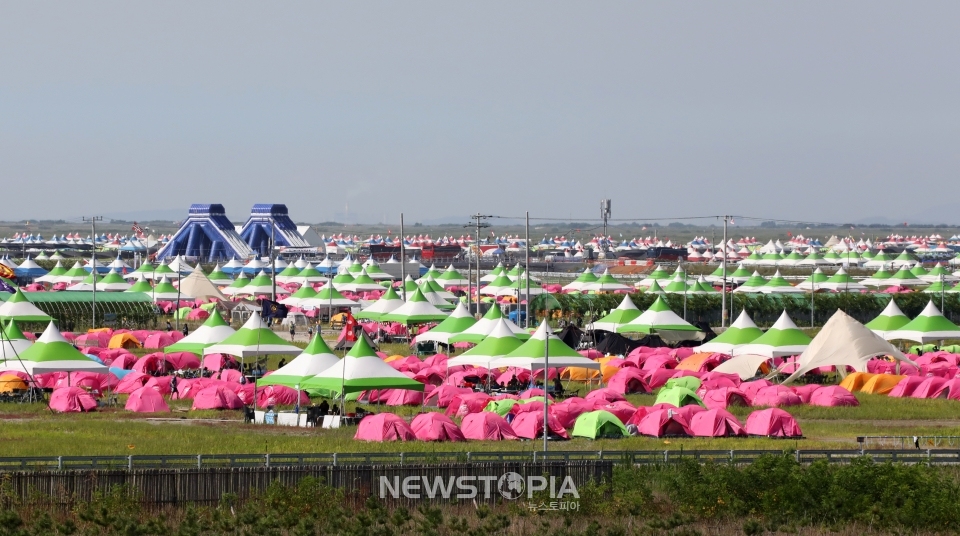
(360, 370)
(19, 308)
(500, 342)
(742, 331)
(487, 426)
(783, 338)
(715, 423)
(661, 320)
(434, 426)
(255, 338)
(384, 427)
(623, 314)
(211, 332)
(598, 424)
(534, 354)
(72, 399)
(387, 303)
(315, 358)
(485, 325)
(889, 320)
(458, 321)
(930, 325)
(52, 353)
(773, 422)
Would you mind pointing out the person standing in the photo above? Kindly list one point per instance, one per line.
(293, 331)
(173, 386)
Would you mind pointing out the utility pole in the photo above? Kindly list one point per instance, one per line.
(724, 315)
(273, 259)
(93, 267)
(403, 264)
(479, 223)
(604, 214)
(526, 249)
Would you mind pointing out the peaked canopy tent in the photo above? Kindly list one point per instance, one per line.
(742, 331)
(416, 310)
(782, 339)
(255, 338)
(485, 325)
(623, 314)
(212, 331)
(585, 278)
(360, 370)
(19, 308)
(315, 358)
(842, 282)
(660, 319)
(500, 342)
(605, 283)
(889, 320)
(13, 342)
(930, 325)
(387, 303)
(534, 355)
(458, 321)
(198, 285)
(52, 353)
(844, 342)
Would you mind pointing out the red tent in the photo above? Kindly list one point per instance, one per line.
(433, 426)
(487, 426)
(384, 427)
(628, 380)
(928, 387)
(72, 399)
(715, 423)
(146, 400)
(775, 396)
(833, 395)
(216, 397)
(663, 423)
(467, 403)
(725, 397)
(773, 422)
(530, 426)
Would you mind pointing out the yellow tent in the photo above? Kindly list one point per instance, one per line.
(9, 383)
(579, 374)
(124, 340)
(393, 358)
(854, 382)
(881, 384)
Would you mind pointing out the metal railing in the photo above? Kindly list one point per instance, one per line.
(638, 457)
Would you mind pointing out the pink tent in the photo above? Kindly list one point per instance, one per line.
(158, 340)
(401, 397)
(155, 362)
(407, 364)
(530, 426)
(473, 376)
(487, 426)
(591, 353)
(96, 383)
(715, 423)
(905, 387)
(950, 389)
(384, 427)
(941, 369)
(751, 388)
(433, 426)
(622, 409)
(530, 393)
(146, 400)
(280, 395)
(183, 360)
(720, 379)
(605, 395)
(431, 375)
(244, 392)
(679, 354)
(688, 411)
(160, 384)
(100, 339)
(663, 423)
(72, 400)
(131, 382)
(833, 395)
(443, 395)
(725, 397)
(229, 375)
(775, 396)
(216, 397)
(658, 378)
(467, 403)
(628, 380)
(567, 411)
(882, 366)
(773, 422)
(928, 388)
(658, 362)
(638, 415)
(219, 361)
(198, 314)
(805, 391)
(527, 408)
(437, 360)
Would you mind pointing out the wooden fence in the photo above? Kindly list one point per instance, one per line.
(206, 486)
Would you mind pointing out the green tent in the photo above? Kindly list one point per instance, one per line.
(890, 319)
(19, 308)
(689, 382)
(211, 332)
(929, 326)
(416, 310)
(742, 331)
(315, 358)
(458, 321)
(255, 338)
(659, 318)
(360, 370)
(678, 396)
(598, 425)
(388, 302)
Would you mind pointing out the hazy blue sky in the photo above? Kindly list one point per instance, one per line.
(825, 111)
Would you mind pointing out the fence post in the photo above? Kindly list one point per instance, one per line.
(199, 461)
(928, 456)
(334, 459)
(267, 459)
(59, 463)
(797, 454)
(534, 456)
(401, 458)
(468, 457)
(129, 463)
(666, 456)
(731, 455)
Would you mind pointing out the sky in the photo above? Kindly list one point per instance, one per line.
(818, 111)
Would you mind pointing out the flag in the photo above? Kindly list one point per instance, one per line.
(271, 309)
(136, 228)
(350, 327)
(731, 221)
(6, 272)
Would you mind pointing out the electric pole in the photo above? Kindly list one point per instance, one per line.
(724, 316)
(480, 222)
(93, 267)
(604, 215)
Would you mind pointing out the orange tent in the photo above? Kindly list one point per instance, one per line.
(124, 340)
(694, 361)
(855, 381)
(881, 384)
(9, 383)
(393, 358)
(579, 374)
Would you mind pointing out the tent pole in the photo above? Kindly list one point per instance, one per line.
(526, 247)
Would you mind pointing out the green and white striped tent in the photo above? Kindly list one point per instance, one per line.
(499, 342)
(939, 273)
(658, 274)
(52, 353)
(289, 274)
(430, 284)
(435, 298)
(361, 283)
(305, 292)
(87, 284)
(494, 274)
(813, 259)
(903, 278)
(19, 308)
(327, 297)
(889, 320)
(315, 358)
(880, 260)
(141, 285)
(753, 259)
(219, 277)
(255, 338)
(389, 301)
(452, 278)
(309, 274)
(754, 284)
(877, 279)
(605, 283)
(577, 284)
(815, 281)
(705, 287)
(143, 269)
(13, 342)
(940, 288)
(832, 257)
(432, 272)
(541, 350)
(680, 285)
(742, 331)
(485, 325)
(654, 289)
(341, 279)
(779, 285)
(112, 282)
(375, 272)
(904, 259)
(213, 331)
(793, 259)
(360, 370)
(659, 318)
(770, 259)
(929, 326)
(164, 290)
(416, 310)
(850, 258)
(493, 288)
(782, 339)
(53, 275)
(236, 288)
(162, 271)
(842, 282)
(519, 288)
(262, 284)
(355, 267)
(75, 274)
(918, 270)
(458, 321)
(623, 314)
